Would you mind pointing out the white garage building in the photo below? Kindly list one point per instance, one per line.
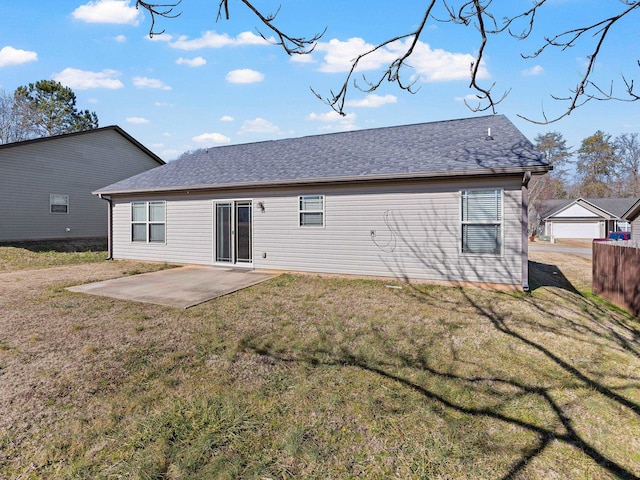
(586, 218)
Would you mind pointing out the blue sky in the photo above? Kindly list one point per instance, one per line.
(205, 83)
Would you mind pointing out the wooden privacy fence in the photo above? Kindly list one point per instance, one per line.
(616, 273)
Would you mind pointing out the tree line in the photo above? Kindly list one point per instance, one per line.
(602, 167)
(41, 109)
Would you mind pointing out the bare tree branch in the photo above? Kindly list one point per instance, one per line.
(158, 9)
(580, 95)
(391, 74)
(291, 45)
(477, 13)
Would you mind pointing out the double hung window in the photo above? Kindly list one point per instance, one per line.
(148, 222)
(311, 211)
(481, 213)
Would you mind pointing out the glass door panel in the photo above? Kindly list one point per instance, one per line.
(243, 232)
(223, 232)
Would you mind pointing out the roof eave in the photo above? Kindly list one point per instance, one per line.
(484, 172)
(633, 212)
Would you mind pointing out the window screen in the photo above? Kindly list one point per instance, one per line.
(311, 211)
(482, 221)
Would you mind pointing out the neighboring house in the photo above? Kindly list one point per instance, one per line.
(46, 183)
(443, 201)
(586, 218)
(632, 215)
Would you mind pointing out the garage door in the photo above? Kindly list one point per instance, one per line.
(576, 230)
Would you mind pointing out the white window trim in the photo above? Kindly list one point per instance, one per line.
(300, 211)
(52, 196)
(147, 222)
(500, 223)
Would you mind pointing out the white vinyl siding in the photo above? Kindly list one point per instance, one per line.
(481, 213)
(635, 229)
(405, 230)
(73, 166)
(311, 213)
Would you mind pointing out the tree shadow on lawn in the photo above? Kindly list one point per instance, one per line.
(562, 375)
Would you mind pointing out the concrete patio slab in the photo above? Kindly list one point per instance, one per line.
(181, 287)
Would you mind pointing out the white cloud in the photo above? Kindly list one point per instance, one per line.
(211, 39)
(84, 80)
(259, 125)
(137, 120)
(108, 11)
(217, 138)
(144, 82)
(156, 145)
(159, 37)
(302, 58)
(15, 56)
(120, 38)
(170, 154)
(533, 71)
(333, 120)
(226, 118)
(250, 38)
(192, 62)
(372, 101)
(93, 100)
(430, 65)
(339, 55)
(244, 75)
(162, 104)
(468, 98)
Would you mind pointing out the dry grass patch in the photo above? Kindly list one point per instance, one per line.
(312, 377)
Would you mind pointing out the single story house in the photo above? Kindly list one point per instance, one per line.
(632, 215)
(438, 202)
(46, 184)
(586, 218)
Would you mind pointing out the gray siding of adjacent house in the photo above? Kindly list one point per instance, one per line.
(416, 231)
(72, 165)
(635, 228)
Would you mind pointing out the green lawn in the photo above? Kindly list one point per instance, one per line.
(314, 377)
(24, 255)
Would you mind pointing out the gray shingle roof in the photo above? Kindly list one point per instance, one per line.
(447, 148)
(615, 207)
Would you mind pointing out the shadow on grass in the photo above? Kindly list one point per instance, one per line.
(544, 275)
(81, 245)
(392, 362)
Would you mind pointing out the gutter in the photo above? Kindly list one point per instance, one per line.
(110, 226)
(526, 178)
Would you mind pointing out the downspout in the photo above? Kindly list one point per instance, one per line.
(525, 230)
(109, 226)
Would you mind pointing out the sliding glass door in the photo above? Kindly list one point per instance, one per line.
(233, 232)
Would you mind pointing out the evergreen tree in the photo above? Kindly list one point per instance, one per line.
(596, 165)
(48, 108)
